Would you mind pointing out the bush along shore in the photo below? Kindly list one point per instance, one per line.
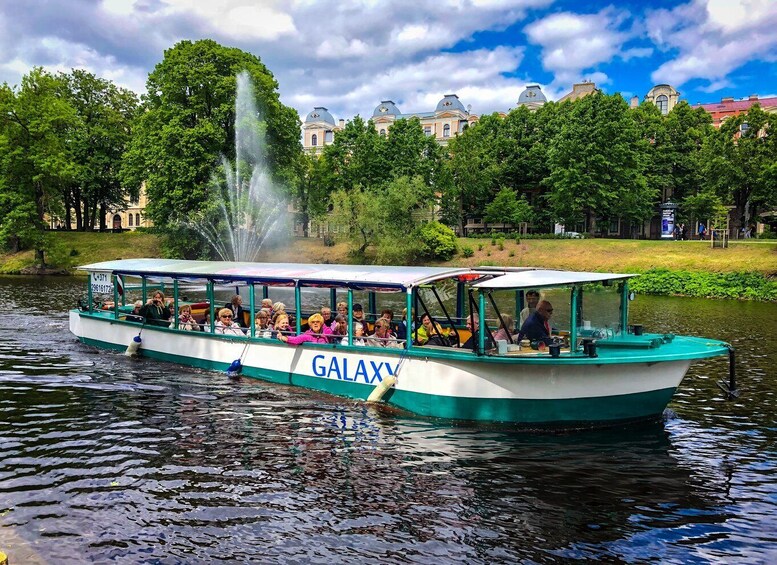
(738, 285)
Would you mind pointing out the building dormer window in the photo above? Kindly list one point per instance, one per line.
(663, 104)
(446, 130)
(383, 133)
(314, 140)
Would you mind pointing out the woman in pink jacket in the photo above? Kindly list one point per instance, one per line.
(313, 335)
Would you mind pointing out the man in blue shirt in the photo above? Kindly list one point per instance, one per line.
(536, 328)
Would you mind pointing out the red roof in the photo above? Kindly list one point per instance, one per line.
(737, 105)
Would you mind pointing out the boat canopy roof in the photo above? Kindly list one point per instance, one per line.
(356, 276)
(536, 278)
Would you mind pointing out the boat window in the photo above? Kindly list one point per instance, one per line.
(600, 311)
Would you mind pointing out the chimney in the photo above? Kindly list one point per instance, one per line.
(341, 122)
(727, 99)
(753, 97)
(634, 102)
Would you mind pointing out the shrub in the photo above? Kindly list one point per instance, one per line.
(480, 247)
(435, 241)
(329, 240)
(493, 241)
(512, 253)
(501, 246)
(467, 252)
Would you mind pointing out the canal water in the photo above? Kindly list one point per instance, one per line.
(105, 458)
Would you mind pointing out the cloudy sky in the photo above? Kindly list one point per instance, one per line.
(348, 55)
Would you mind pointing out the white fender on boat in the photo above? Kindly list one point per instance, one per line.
(382, 388)
(133, 347)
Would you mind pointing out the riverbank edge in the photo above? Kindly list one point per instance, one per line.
(660, 281)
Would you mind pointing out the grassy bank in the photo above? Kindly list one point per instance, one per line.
(70, 249)
(746, 270)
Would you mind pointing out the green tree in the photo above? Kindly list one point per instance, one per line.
(508, 209)
(739, 159)
(474, 169)
(36, 161)
(105, 113)
(188, 120)
(355, 158)
(309, 190)
(596, 164)
(381, 217)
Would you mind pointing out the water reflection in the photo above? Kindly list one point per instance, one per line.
(108, 458)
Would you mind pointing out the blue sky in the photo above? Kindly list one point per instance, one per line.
(349, 55)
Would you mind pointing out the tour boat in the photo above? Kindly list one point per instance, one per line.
(602, 372)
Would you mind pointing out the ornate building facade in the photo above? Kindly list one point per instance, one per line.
(729, 107)
(132, 217)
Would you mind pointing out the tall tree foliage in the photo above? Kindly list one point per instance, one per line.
(36, 159)
(739, 162)
(187, 122)
(596, 164)
(105, 113)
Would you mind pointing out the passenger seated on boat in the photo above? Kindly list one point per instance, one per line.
(136, 316)
(267, 305)
(537, 328)
(382, 336)
(339, 330)
(358, 335)
(281, 325)
(226, 324)
(507, 320)
(236, 305)
(313, 335)
(430, 333)
(342, 310)
(388, 314)
(186, 321)
(326, 313)
(473, 324)
(358, 315)
(156, 311)
(262, 326)
(532, 299)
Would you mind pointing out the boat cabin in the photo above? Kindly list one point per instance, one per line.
(585, 305)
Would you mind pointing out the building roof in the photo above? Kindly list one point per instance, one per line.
(737, 105)
(386, 108)
(320, 114)
(450, 102)
(532, 95)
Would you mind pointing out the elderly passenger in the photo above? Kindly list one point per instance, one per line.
(313, 335)
(226, 324)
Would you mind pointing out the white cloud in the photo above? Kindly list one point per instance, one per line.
(476, 76)
(239, 19)
(574, 44)
(713, 38)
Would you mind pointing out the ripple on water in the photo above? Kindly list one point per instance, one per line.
(109, 458)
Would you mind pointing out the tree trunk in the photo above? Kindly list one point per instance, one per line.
(103, 214)
(77, 208)
(591, 217)
(40, 257)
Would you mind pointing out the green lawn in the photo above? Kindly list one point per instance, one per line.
(70, 249)
(619, 255)
(613, 255)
